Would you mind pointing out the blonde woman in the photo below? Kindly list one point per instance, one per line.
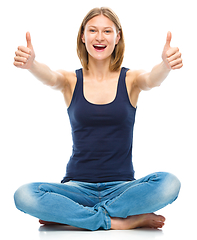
(99, 190)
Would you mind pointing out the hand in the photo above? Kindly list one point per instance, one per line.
(25, 55)
(171, 55)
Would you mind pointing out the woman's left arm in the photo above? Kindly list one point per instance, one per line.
(171, 60)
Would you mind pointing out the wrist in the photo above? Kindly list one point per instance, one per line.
(165, 66)
(33, 66)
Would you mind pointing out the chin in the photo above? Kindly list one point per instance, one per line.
(101, 56)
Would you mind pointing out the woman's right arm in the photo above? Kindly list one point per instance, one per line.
(25, 59)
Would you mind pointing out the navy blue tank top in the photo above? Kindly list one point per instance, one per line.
(102, 136)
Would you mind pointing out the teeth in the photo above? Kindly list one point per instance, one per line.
(100, 45)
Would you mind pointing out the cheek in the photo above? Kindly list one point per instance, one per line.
(88, 45)
(112, 40)
(88, 40)
(112, 43)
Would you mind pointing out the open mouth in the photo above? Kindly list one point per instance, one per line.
(99, 47)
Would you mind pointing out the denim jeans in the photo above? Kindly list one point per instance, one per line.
(90, 205)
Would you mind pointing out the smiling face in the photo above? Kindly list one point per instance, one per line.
(100, 37)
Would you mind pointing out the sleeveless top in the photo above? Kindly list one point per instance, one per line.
(102, 136)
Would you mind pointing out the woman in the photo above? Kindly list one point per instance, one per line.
(99, 190)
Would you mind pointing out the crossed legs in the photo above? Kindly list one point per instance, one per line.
(127, 205)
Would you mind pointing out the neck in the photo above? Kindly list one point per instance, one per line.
(98, 69)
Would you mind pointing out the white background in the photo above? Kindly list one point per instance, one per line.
(35, 133)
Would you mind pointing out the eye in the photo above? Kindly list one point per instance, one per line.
(92, 30)
(108, 31)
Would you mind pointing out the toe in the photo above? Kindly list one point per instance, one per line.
(161, 218)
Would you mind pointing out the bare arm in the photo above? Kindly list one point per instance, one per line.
(171, 60)
(48, 77)
(25, 59)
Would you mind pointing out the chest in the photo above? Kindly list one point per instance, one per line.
(100, 104)
(102, 92)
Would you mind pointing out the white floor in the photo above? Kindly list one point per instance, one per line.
(180, 222)
(31, 230)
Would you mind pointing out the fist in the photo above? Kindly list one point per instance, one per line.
(25, 55)
(171, 55)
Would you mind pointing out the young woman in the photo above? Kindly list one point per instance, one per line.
(99, 190)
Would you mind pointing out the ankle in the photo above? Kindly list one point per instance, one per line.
(117, 223)
(113, 223)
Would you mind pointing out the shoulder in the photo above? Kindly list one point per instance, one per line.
(68, 78)
(133, 89)
(68, 82)
(132, 77)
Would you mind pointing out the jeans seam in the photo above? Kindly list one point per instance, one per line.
(106, 214)
(108, 222)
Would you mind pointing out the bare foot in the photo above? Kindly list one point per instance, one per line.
(49, 223)
(149, 220)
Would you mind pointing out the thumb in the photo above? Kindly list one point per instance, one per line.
(168, 39)
(28, 38)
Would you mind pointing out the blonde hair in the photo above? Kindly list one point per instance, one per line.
(118, 53)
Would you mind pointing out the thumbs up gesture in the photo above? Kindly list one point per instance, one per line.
(25, 55)
(171, 55)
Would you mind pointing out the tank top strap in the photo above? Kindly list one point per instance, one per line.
(122, 91)
(77, 94)
(79, 84)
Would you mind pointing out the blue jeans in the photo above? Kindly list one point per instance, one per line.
(90, 205)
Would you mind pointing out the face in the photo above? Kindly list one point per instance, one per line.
(100, 37)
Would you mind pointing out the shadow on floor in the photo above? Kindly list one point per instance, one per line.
(51, 228)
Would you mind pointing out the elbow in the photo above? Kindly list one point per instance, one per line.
(147, 86)
(152, 84)
(58, 81)
(53, 83)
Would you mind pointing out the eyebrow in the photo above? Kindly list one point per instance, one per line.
(96, 27)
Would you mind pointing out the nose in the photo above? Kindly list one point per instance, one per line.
(99, 36)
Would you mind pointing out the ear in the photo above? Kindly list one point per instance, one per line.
(83, 38)
(118, 38)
